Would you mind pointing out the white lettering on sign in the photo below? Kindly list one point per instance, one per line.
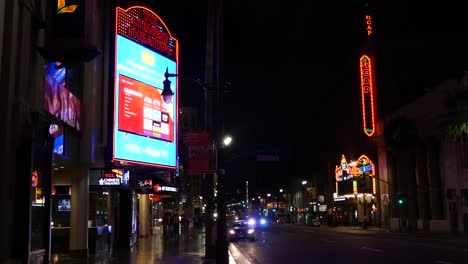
(158, 188)
(168, 189)
(109, 181)
(133, 148)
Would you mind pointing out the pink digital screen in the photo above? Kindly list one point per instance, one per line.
(142, 111)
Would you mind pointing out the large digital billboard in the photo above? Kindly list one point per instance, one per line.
(145, 127)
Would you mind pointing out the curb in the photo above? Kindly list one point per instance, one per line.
(236, 256)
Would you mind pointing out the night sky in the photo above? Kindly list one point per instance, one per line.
(294, 70)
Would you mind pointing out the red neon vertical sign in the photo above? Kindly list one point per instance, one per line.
(367, 92)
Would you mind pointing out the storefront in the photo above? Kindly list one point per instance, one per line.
(158, 204)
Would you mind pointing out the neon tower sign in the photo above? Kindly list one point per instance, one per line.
(366, 66)
(367, 93)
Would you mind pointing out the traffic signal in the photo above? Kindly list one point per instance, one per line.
(400, 199)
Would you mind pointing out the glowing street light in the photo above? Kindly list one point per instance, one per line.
(304, 182)
(227, 140)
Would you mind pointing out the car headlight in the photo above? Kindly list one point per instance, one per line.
(262, 221)
(250, 231)
(251, 221)
(231, 231)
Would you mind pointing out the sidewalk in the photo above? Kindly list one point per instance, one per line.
(157, 249)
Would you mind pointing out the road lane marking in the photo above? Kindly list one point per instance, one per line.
(443, 262)
(373, 249)
(330, 241)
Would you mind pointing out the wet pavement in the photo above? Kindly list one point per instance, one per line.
(156, 249)
(183, 249)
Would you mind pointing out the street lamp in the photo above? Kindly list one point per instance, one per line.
(227, 140)
(167, 92)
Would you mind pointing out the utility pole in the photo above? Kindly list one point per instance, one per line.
(212, 122)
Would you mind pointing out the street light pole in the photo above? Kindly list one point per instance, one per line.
(222, 256)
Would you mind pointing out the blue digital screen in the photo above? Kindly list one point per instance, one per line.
(145, 127)
(58, 145)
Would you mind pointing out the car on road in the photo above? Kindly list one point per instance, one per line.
(242, 229)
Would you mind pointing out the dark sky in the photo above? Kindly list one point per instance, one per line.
(294, 71)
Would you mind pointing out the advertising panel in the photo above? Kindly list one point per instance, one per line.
(198, 152)
(145, 127)
(57, 99)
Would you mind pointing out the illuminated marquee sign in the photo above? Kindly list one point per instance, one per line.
(346, 171)
(367, 92)
(369, 25)
(145, 127)
(144, 27)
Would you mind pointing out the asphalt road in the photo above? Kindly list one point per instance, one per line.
(284, 243)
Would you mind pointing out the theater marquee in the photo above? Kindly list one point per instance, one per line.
(367, 93)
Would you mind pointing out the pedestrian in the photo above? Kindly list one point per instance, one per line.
(191, 222)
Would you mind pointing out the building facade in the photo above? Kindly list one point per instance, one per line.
(57, 79)
(421, 164)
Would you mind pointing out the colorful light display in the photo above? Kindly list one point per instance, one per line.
(367, 93)
(355, 177)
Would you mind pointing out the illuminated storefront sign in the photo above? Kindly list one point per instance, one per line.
(355, 191)
(367, 93)
(145, 127)
(147, 184)
(109, 181)
(369, 25)
(68, 20)
(63, 8)
(162, 188)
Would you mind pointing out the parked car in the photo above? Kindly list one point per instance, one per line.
(241, 229)
(315, 222)
(280, 220)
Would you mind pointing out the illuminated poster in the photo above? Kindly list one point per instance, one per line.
(57, 99)
(145, 127)
(367, 93)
